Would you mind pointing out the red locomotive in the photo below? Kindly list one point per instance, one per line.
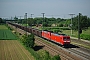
(58, 38)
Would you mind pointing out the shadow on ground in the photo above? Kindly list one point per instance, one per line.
(71, 46)
(36, 48)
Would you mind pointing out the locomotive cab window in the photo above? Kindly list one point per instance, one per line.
(66, 38)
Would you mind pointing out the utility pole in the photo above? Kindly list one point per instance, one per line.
(20, 17)
(31, 15)
(26, 22)
(31, 18)
(43, 19)
(71, 22)
(79, 26)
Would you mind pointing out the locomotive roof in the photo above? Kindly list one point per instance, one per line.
(48, 31)
(60, 34)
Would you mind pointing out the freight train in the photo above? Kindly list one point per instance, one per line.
(61, 39)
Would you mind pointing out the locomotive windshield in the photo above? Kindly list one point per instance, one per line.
(66, 38)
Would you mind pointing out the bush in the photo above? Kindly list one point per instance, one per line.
(85, 36)
(8, 27)
(65, 28)
(46, 56)
(56, 30)
(57, 57)
(60, 25)
(28, 41)
(35, 54)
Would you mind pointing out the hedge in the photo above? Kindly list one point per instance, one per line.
(85, 36)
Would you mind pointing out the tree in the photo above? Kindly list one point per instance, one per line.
(68, 22)
(23, 21)
(0, 20)
(38, 20)
(60, 25)
(46, 56)
(84, 22)
(15, 18)
(89, 21)
(23, 39)
(31, 21)
(59, 19)
(28, 40)
(45, 24)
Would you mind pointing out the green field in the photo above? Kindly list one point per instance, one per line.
(3, 27)
(75, 33)
(6, 34)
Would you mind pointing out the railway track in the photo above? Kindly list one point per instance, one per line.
(66, 54)
(82, 54)
(57, 51)
(52, 51)
(81, 43)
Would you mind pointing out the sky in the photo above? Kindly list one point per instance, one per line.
(51, 8)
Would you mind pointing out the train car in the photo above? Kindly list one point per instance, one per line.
(30, 30)
(33, 31)
(38, 32)
(25, 28)
(19, 26)
(46, 34)
(60, 38)
(22, 27)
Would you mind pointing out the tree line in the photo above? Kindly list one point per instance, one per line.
(58, 22)
(2, 21)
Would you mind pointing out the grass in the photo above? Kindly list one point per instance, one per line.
(87, 31)
(68, 32)
(6, 34)
(86, 46)
(75, 33)
(3, 27)
(24, 24)
(85, 34)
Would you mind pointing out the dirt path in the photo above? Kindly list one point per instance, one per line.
(13, 50)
